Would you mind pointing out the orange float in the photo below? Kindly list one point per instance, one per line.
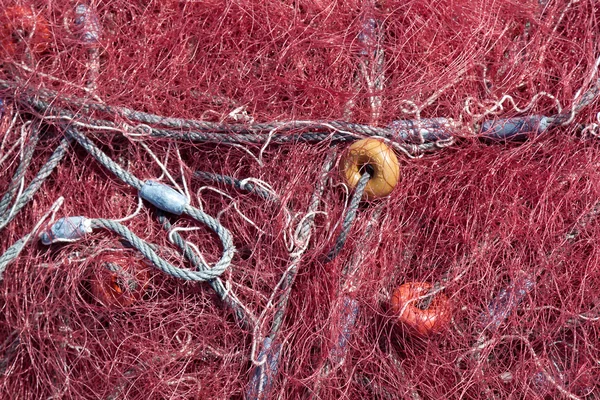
(426, 316)
(21, 30)
(114, 282)
(375, 157)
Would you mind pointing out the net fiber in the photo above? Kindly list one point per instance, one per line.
(245, 112)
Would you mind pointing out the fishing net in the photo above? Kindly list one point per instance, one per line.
(299, 199)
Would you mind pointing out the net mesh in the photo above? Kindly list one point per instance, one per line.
(505, 231)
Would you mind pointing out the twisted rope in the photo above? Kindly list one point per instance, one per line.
(224, 235)
(44, 172)
(12, 253)
(19, 174)
(349, 217)
(276, 132)
(217, 135)
(241, 313)
(150, 254)
(40, 98)
(103, 159)
(265, 374)
(238, 184)
(347, 307)
(302, 238)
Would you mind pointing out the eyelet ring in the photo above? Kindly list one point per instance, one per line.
(21, 30)
(427, 320)
(378, 159)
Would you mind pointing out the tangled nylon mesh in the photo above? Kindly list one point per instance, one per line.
(506, 230)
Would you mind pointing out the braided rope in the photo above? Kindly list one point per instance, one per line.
(243, 316)
(12, 253)
(238, 184)
(44, 172)
(224, 235)
(150, 254)
(264, 374)
(349, 217)
(20, 171)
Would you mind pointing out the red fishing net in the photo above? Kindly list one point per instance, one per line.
(178, 219)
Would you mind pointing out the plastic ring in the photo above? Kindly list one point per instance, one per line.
(425, 320)
(378, 159)
(21, 29)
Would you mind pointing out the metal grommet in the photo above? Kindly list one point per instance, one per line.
(375, 157)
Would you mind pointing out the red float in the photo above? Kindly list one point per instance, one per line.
(118, 283)
(22, 30)
(414, 309)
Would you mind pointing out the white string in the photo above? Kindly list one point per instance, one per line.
(9, 152)
(264, 146)
(173, 231)
(262, 317)
(411, 151)
(229, 292)
(301, 243)
(288, 236)
(183, 180)
(85, 89)
(134, 214)
(415, 108)
(239, 146)
(263, 185)
(303, 228)
(7, 133)
(23, 139)
(162, 167)
(498, 106)
(142, 129)
(244, 217)
(166, 162)
(92, 126)
(233, 203)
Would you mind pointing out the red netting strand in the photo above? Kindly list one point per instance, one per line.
(367, 199)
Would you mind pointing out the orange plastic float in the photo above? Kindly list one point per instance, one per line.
(378, 159)
(115, 282)
(426, 319)
(22, 31)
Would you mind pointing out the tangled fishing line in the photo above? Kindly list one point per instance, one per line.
(299, 199)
